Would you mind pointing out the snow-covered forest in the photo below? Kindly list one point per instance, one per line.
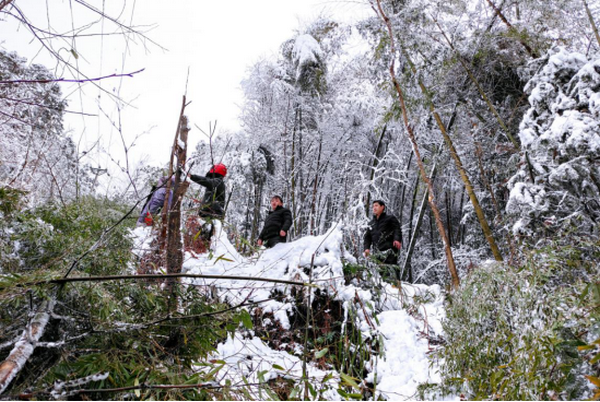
(476, 122)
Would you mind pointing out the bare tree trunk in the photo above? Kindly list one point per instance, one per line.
(592, 22)
(413, 234)
(411, 136)
(486, 183)
(313, 208)
(402, 197)
(293, 173)
(374, 166)
(26, 344)
(487, 231)
(4, 3)
(414, 201)
(461, 227)
(174, 251)
(448, 215)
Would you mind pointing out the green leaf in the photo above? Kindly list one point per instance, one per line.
(74, 53)
(246, 319)
(222, 257)
(278, 367)
(321, 353)
(349, 380)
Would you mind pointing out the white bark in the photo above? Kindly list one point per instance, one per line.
(25, 346)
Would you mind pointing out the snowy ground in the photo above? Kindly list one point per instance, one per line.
(400, 317)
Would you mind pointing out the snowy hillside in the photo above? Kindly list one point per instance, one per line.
(382, 312)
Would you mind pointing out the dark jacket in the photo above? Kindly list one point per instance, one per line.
(277, 220)
(213, 202)
(382, 233)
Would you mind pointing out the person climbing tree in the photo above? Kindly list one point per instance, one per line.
(277, 224)
(383, 238)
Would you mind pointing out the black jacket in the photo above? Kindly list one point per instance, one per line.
(382, 233)
(213, 202)
(277, 220)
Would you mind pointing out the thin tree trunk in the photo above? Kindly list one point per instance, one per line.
(313, 208)
(414, 200)
(413, 234)
(293, 173)
(448, 215)
(374, 166)
(411, 136)
(487, 231)
(592, 22)
(402, 197)
(26, 344)
(4, 3)
(460, 225)
(486, 183)
(174, 250)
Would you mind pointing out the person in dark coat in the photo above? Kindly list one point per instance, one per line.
(213, 202)
(156, 202)
(277, 224)
(383, 238)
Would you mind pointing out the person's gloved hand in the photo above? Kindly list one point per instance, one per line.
(148, 219)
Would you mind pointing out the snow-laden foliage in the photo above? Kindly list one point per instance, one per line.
(558, 183)
(513, 332)
(35, 154)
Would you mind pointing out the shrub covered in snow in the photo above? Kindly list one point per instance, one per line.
(558, 182)
(513, 332)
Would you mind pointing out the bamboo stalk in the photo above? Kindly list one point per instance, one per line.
(487, 231)
(158, 276)
(26, 344)
(411, 136)
(592, 22)
(413, 236)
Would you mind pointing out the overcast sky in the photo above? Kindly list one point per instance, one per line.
(216, 41)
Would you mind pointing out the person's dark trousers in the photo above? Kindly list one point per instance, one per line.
(269, 243)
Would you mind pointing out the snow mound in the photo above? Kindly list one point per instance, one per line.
(401, 318)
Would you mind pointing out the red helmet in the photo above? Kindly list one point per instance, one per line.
(219, 169)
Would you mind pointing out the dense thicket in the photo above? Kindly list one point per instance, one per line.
(513, 86)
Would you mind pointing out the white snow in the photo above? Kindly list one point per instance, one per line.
(391, 314)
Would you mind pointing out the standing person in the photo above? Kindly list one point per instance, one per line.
(383, 238)
(213, 202)
(155, 202)
(276, 225)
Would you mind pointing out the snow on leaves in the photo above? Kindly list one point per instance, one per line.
(560, 135)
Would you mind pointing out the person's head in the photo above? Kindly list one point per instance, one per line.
(276, 201)
(378, 207)
(219, 169)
